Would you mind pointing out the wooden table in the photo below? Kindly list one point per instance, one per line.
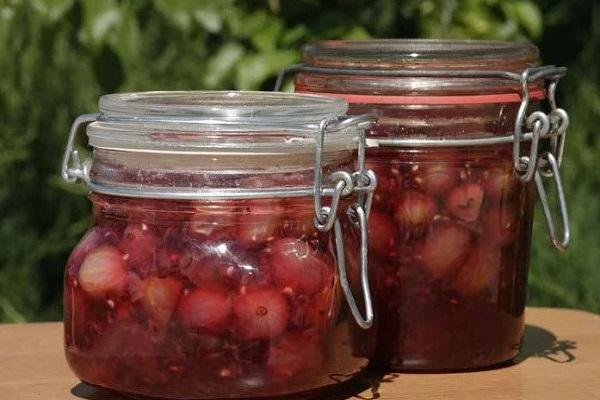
(560, 359)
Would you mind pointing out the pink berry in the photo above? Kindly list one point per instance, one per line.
(464, 202)
(480, 271)
(388, 184)
(258, 222)
(205, 308)
(200, 269)
(381, 231)
(103, 272)
(79, 317)
(124, 339)
(166, 261)
(437, 178)
(160, 297)
(214, 221)
(499, 182)
(209, 264)
(123, 313)
(500, 224)
(260, 314)
(414, 209)
(139, 244)
(301, 225)
(444, 248)
(297, 266)
(299, 219)
(207, 343)
(294, 354)
(130, 348)
(95, 237)
(320, 313)
(134, 287)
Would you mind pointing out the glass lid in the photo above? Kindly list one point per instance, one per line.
(207, 120)
(421, 53)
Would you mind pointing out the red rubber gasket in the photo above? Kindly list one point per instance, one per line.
(416, 100)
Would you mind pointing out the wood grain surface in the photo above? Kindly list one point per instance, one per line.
(560, 359)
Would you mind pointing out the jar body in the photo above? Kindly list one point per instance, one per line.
(449, 233)
(451, 264)
(207, 299)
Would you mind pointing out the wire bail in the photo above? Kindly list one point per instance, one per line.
(367, 321)
(545, 165)
(552, 125)
(548, 160)
(72, 167)
(363, 183)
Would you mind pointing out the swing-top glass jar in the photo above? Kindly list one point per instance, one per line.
(210, 270)
(456, 147)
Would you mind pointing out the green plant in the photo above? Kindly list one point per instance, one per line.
(58, 56)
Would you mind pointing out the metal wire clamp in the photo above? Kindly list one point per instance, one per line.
(72, 167)
(363, 183)
(549, 159)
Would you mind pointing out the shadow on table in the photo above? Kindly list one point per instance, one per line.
(364, 386)
(537, 343)
(541, 343)
(89, 392)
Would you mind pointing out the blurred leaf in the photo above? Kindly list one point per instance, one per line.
(183, 13)
(222, 63)
(8, 311)
(265, 39)
(125, 38)
(480, 19)
(357, 33)
(253, 23)
(52, 10)
(253, 69)
(526, 14)
(293, 35)
(477, 21)
(179, 12)
(99, 18)
(210, 19)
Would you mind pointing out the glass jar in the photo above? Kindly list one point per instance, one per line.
(206, 273)
(455, 149)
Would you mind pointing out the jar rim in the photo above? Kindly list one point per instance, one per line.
(420, 53)
(251, 108)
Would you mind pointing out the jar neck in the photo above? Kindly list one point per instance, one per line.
(324, 83)
(118, 211)
(211, 176)
(149, 210)
(442, 121)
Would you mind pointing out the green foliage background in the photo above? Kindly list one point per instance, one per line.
(58, 56)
